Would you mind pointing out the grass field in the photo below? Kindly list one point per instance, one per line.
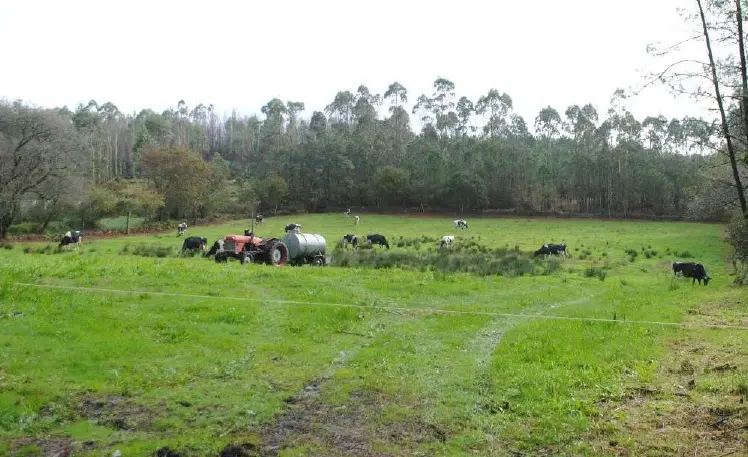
(213, 359)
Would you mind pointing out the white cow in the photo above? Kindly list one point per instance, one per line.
(356, 220)
(461, 224)
(446, 241)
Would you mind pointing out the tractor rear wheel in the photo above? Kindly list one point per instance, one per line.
(278, 253)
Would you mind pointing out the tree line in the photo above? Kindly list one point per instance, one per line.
(467, 156)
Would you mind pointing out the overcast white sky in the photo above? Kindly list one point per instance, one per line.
(240, 54)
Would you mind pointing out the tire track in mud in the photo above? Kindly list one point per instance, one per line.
(349, 428)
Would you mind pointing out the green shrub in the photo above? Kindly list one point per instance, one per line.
(598, 272)
(469, 258)
(25, 228)
(148, 250)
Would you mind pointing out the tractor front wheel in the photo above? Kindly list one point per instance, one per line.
(318, 261)
(278, 254)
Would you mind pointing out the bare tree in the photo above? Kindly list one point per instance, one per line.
(717, 23)
(38, 148)
(720, 103)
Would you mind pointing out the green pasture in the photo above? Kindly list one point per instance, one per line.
(135, 353)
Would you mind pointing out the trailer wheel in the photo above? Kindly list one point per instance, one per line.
(278, 254)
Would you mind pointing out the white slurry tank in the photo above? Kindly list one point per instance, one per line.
(305, 248)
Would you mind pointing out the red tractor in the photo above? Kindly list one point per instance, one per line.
(251, 248)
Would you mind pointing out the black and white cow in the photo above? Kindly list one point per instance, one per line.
(446, 241)
(551, 249)
(216, 248)
(377, 239)
(347, 212)
(692, 270)
(259, 219)
(181, 228)
(293, 228)
(194, 243)
(71, 237)
(461, 224)
(352, 239)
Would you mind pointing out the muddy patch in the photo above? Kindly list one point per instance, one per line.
(166, 451)
(239, 450)
(116, 411)
(339, 429)
(50, 447)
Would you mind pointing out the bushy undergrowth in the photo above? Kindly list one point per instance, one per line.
(467, 257)
(148, 250)
(737, 236)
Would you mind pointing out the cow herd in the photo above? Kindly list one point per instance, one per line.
(693, 270)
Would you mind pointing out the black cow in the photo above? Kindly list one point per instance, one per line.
(551, 249)
(259, 218)
(691, 270)
(71, 237)
(194, 243)
(351, 238)
(377, 239)
(293, 228)
(216, 248)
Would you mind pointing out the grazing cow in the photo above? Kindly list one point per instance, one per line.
(216, 248)
(181, 228)
(259, 219)
(347, 213)
(461, 224)
(194, 243)
(446, 241)
(293, 228)
(377, 239)
(551, 249)
(71, 237)
(352, 239)
(692, 270)
(356, 220)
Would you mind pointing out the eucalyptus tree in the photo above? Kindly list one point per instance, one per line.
(496, 107)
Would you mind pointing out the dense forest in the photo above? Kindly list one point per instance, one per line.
(468, 156)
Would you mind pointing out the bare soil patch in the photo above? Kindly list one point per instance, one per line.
(340, 429)
(43, 447)
(116, 411)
